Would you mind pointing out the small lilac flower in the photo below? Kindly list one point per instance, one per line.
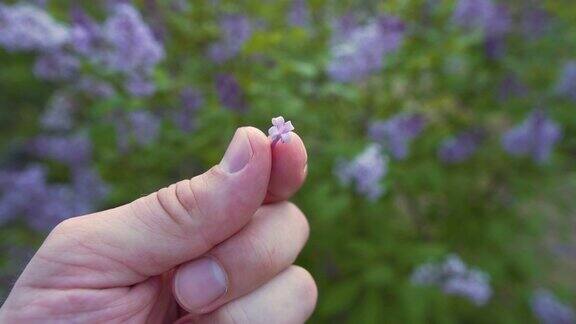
(236, 30)
(73, 151)
(133, 48)
(396, 133)
(461, 147)
(299, 13)
(365, 172)
(455, 278)
(567, 84)
(27, 27)
(535, 137)
(56, 66)
(280, 131)
(360, 52)
(230, 93)
(549, 310)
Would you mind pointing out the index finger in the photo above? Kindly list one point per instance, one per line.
(289, 169)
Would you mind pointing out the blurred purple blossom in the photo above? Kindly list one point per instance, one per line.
(280, 130)
(26, 27)
(140, 86)
(396, 133)
(299, 13)
(74, 151)
(230, 94)
(27, 194)
(96, 88)
(535, 137)
(358, 51)
(455, 278)
(365, 172)
(133, 48)
(145, 126)
(567, 83)
(190, 100)
(549, 310)
(57, 116)
(485, 15)
(56, 65)
(461, 147)
(235, 31)
(86, 33)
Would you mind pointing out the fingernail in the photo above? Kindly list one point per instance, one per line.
(238, 153)
(199, 283)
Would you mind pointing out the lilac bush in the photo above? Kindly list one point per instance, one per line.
(417, 118)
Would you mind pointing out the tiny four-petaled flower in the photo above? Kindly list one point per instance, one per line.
(280, 131)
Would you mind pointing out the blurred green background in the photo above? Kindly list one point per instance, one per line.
(471, 104)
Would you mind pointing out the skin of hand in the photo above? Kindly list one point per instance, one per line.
(217, 248)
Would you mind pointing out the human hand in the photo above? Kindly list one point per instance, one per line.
(216, 248)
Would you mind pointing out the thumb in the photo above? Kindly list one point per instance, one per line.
(152, 235)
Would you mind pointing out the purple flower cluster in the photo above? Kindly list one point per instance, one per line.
(549, 310)
(72, 151)
(396, 133)
(567, 83)
(25, 27)
(358, 50)
(124, 44)
(365, 172)
(230, 94)
(455, 278)
(139, 127)
(235, 31)
(484, 15)
(27, 194)
(132, 47)
(56, 65)
(535, 137)
(490, 18)
(461, 147)
(299, 13)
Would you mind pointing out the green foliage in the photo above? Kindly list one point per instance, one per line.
(361, 253)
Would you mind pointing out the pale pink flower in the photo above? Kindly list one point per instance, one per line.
(281, 130)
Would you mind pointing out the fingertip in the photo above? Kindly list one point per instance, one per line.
(289, 169)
